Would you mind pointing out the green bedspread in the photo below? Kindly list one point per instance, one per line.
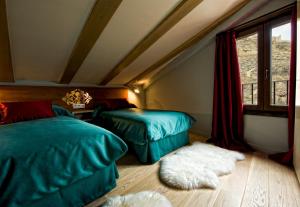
(41, 156)
(141, 126)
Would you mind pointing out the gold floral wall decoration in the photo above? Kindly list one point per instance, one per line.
(78, 98)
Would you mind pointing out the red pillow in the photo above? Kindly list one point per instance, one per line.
(115, 104)
(11, 112)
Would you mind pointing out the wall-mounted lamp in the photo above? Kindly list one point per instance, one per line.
(136, 94)
(136, 90)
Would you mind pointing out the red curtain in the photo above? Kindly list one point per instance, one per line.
(287, 157)
(227, 123)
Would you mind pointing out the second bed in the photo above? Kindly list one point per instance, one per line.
(151, 134)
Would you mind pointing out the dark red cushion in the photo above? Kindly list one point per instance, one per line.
(11, 112)
(115, 104)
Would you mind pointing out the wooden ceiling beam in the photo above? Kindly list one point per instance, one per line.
(190, 42)
(6, 69)
(98, 19)
(165, 25)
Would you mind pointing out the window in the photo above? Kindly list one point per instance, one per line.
(280, 63)
(247, 47)
(264, 58)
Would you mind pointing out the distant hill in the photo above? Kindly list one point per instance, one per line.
(247, 52)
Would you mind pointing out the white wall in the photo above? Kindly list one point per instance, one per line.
(188, 86)
(267, 134)
(187, 89)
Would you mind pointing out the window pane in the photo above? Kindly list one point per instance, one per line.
(247, 53)
(280, 64)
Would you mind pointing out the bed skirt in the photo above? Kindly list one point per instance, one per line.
(83, 191)
(152, 152)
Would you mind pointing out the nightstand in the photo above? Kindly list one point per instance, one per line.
(84, 114)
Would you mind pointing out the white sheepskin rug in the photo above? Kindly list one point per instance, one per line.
(198, 165)
(141, 199)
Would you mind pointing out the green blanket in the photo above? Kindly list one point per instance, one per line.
(141, 126)
(41, 156)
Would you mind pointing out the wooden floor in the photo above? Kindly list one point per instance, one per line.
(256, 181)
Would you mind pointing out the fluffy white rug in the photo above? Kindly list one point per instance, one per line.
(141, 199)
(198, 166)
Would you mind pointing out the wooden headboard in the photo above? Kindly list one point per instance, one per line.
(30, 93)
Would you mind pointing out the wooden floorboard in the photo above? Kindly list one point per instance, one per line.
(277, 189)
(256, 181)
(256, 192)
(290, 189)
(232, 191)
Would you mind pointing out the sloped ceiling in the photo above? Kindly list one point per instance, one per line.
(131, 23)
(198, 19)
(43, 34)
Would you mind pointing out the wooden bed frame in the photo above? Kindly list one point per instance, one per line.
(31, 93)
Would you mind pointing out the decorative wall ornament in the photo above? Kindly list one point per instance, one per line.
(77, 98)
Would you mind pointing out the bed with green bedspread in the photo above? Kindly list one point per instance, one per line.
(149, 133)
(59, 161)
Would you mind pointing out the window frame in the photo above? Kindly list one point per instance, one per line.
(263, 27)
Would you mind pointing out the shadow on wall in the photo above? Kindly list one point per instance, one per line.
(203, 124)
(155, 104)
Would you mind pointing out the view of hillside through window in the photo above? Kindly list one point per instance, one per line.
(280, 64)
(247, 48)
